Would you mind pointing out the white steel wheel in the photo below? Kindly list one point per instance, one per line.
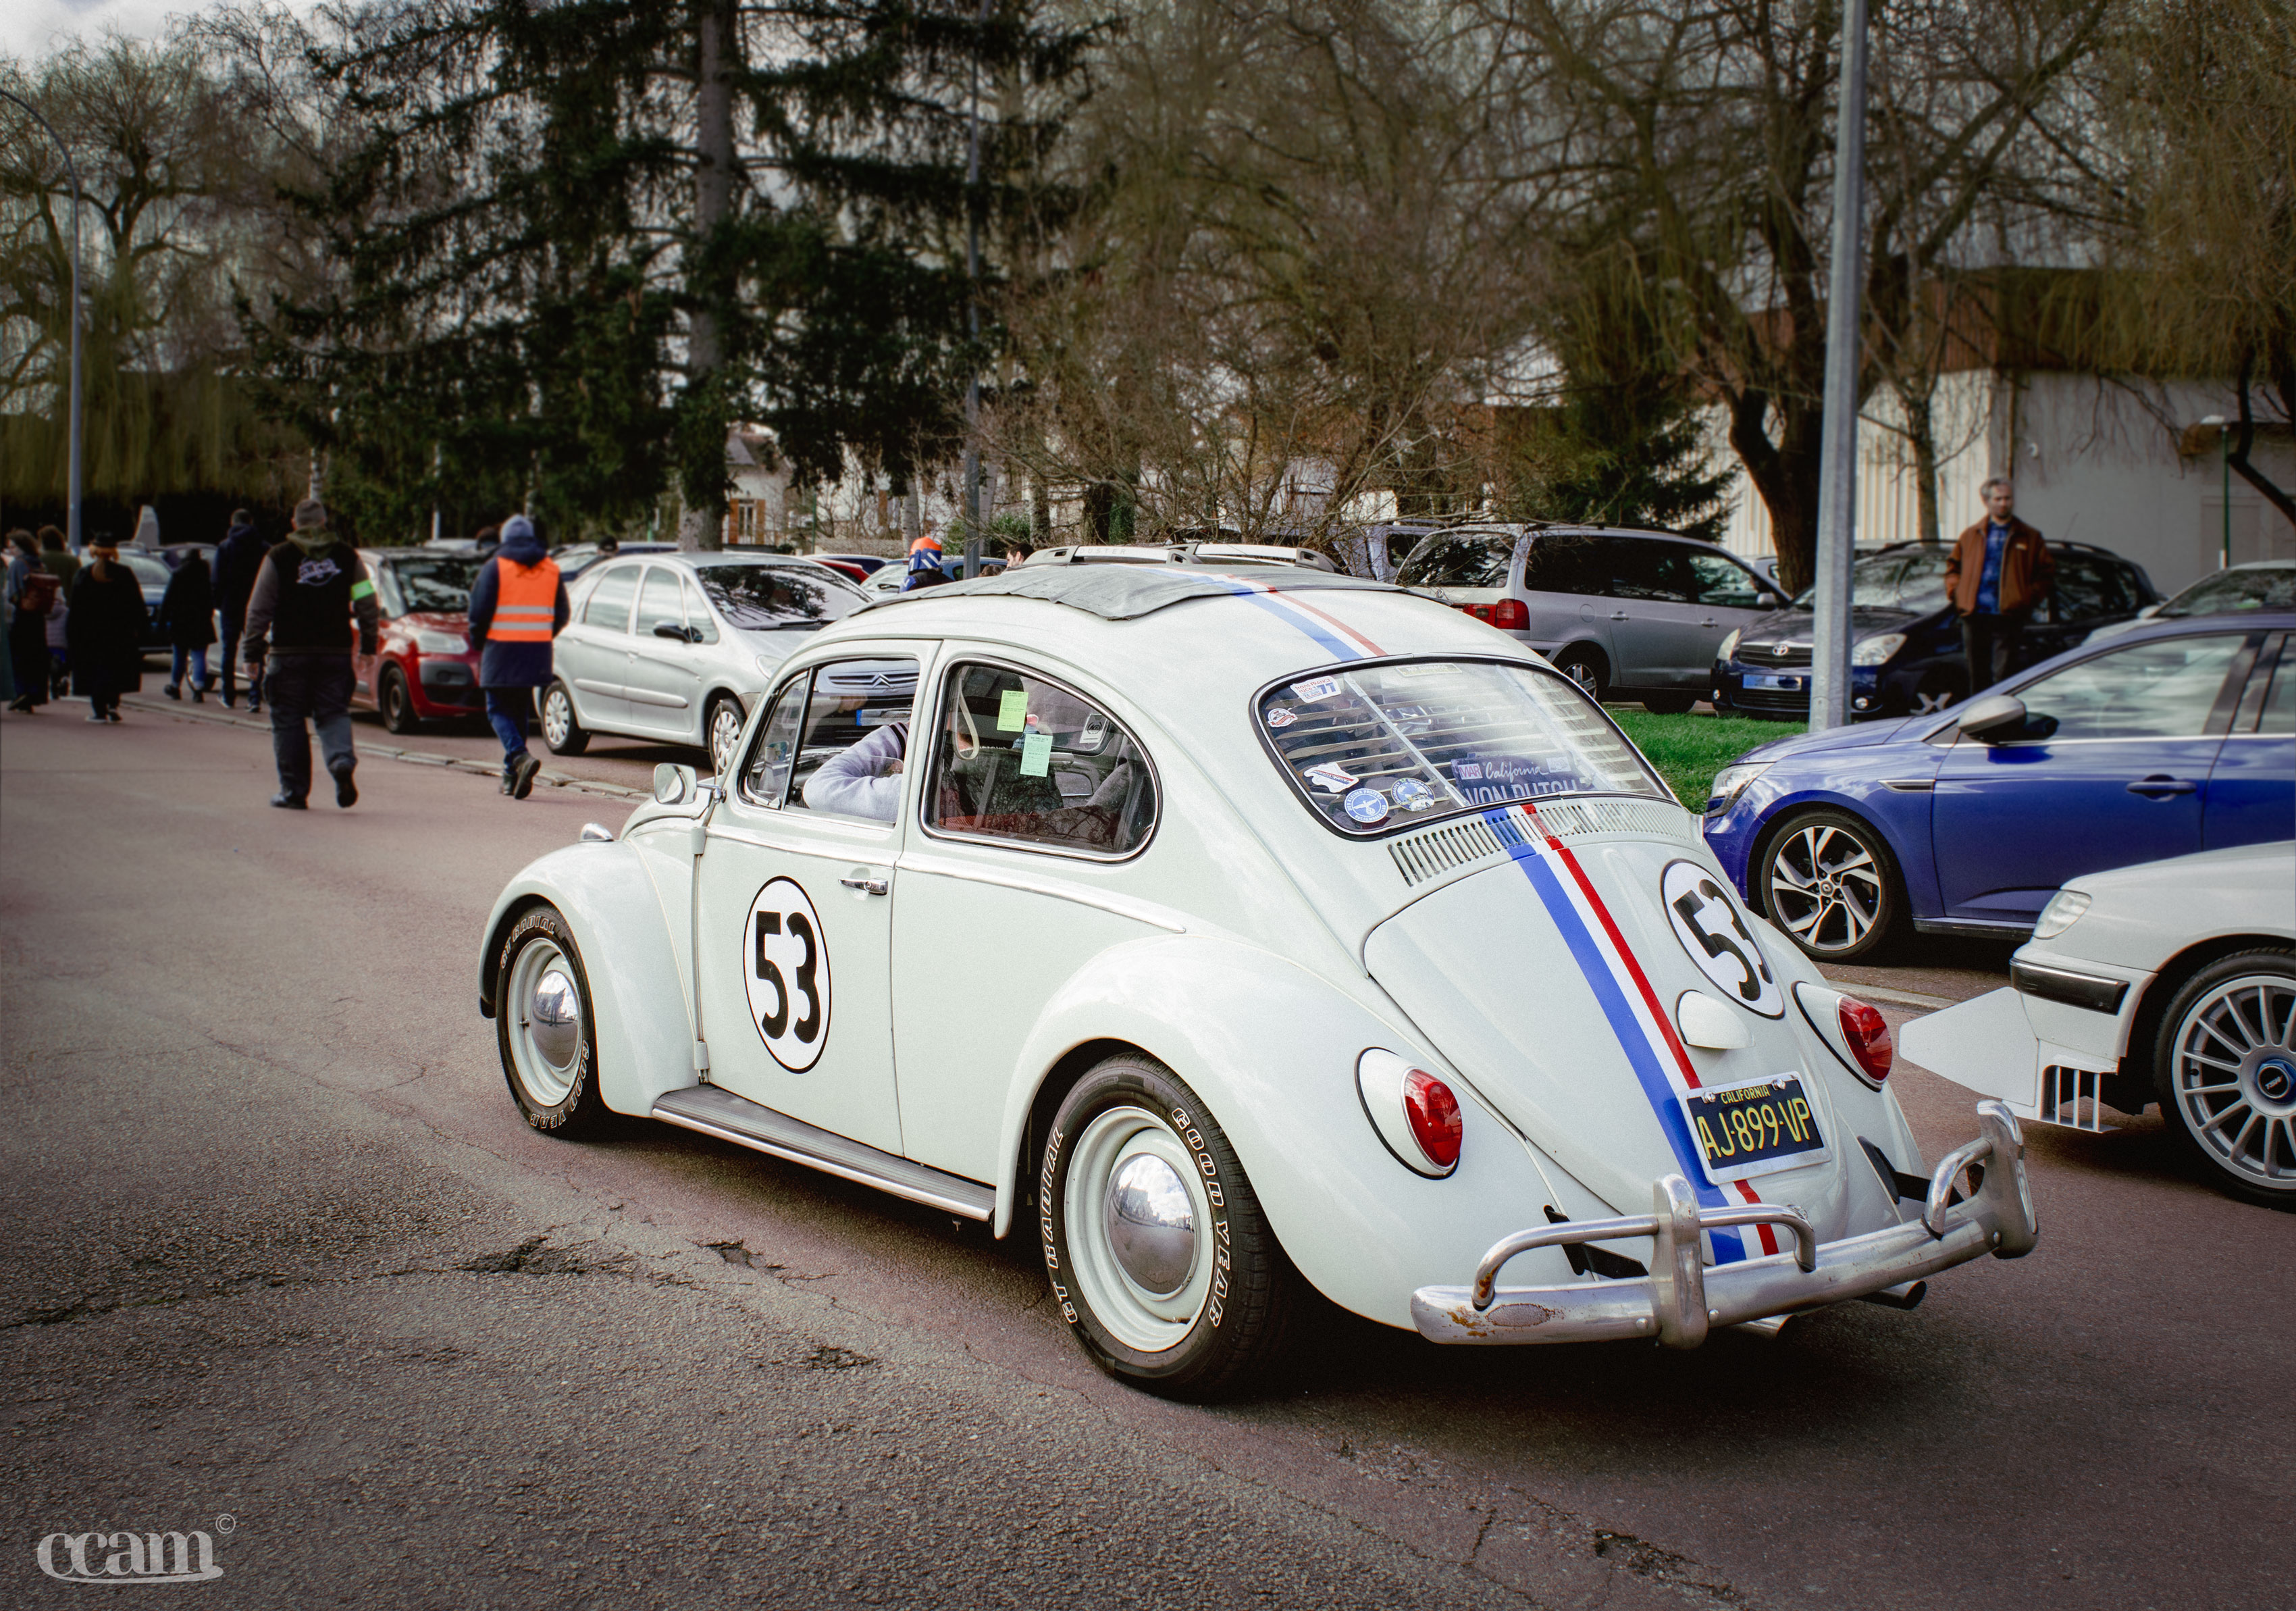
(1140, 1233)
(2225, 1064)
(1829, 881)
(543, 1026)
(723, 728)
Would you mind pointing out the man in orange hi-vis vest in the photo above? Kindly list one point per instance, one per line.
(518, 604)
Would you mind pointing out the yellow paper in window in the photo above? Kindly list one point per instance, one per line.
(1012, 710)
(1036, 755)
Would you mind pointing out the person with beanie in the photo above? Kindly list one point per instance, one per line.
(106, 627)
(187, 616)
(925, 565)
(237, 559)
(308, 591)
(518, 604)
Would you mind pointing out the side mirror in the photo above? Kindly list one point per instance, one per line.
(2150, 611)
(675, 631)
(674, 784)
(1994, 719)
(1772, 601)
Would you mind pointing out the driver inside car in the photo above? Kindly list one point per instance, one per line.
(863, 779)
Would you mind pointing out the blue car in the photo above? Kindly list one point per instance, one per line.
(2174, 737)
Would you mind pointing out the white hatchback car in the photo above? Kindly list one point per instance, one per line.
(1228, 931)
(678, 647)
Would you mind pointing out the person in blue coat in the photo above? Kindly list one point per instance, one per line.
(518, 604)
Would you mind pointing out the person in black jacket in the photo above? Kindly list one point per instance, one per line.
(106, 625)
(187, 616)
(309, 593)
(237, 558)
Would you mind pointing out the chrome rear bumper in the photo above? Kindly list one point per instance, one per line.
(1682, 1298)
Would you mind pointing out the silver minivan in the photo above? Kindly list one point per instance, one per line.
(677, 646)
(1630, 615)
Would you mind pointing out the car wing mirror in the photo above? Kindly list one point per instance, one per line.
(674, 630)
(1993, 718)
(674, 784)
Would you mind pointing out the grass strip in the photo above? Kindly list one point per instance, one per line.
(1689, 749)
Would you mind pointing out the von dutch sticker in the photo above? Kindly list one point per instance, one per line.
(1281, 717)
(1367, 806)
(1319, 688)
(1330, 778)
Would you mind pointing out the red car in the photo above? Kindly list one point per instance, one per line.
(423, 669)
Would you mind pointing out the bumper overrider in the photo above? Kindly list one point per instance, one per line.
(1682, 1299)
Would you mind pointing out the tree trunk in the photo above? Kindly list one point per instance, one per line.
(1784, 473)
(702, 522)
(2238, 457)
(1920, 431)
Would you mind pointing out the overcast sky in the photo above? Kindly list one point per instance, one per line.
(31, 28)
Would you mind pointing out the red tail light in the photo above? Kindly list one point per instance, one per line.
(1511, 614)
(1480, 612)
(1867, 1033)
(1434, 1113)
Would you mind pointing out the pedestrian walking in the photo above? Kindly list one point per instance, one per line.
(300, 617)
(925, 569)
(518, 604)
(1999, 572)
(187, 616)
(238, 557)
(63, 564)
(32, 599)
(57, 560)
(106, 629)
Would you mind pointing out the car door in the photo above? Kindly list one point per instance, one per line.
(1565, 576)
(364, 667)
(1730, 597)
(663, 679)
(794, 909)
(2252, 789)
(1653, 620)
(592, 655)
(2116, 773)
(1022, 868)
(2090, 590)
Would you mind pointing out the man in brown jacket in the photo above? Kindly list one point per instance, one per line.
(1999, 571)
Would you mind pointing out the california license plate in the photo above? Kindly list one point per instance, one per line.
(1755, 1129)
(1771, 679)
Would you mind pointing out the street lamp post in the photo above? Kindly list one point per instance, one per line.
(2223, 470)
(71, 495)
(1837, 476)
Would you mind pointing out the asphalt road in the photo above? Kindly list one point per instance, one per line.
(278, 1248)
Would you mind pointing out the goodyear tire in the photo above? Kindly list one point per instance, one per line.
(1160, 1258)
(543, 1028)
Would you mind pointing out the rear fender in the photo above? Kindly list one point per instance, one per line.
(642, 1020)
(1270, 1049)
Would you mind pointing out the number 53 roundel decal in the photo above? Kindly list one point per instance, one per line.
(787, 973)
(1706, 921)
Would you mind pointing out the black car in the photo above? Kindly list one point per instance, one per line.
(1906, 655)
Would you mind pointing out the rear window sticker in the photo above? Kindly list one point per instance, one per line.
(1036, 754)
(1367, 806)
(1329, 777)
(1413, 795)
(1319, 688)
(1281, 717)
(1012, 710)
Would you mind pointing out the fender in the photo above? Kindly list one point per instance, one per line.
(1271, 1049)
(642, 1019)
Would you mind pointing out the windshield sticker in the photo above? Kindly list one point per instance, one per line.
(1413, 795)
(1330, 778)
(1036, 754)
(1706, 921)
(1012, 710)
(1367, 806)
(1281, 717)
(1494, 779)
(1320, 688)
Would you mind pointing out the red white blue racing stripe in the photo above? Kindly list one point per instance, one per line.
(1339, 639)
(1644, 1032)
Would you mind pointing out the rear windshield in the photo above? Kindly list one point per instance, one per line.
(778, 598)
(2230, 592)
(1385, 746)
(1911, 582)
(1459, 559)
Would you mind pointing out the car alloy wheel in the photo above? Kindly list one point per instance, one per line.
(724, 732)
(1154, 1243)
(542, 1026)
(1583, 667)
(560, 730)
(1829, 883)
(2225, 1065)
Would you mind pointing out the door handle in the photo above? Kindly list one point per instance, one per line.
(2160, 785)
(867, 886)
(1618, 615)
(1710, 622)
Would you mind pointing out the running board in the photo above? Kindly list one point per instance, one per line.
(746, 1123)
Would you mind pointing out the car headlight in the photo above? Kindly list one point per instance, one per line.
(2064, 909)
(1730, 782)
(1874, 651)
(442, 643)
(1730, 644)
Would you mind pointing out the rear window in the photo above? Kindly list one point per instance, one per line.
(1379, 747)
(1463, 559)
(2230, 592)
(778, 598)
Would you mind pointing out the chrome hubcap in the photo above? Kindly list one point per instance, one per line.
(1825, 887)
(547, 1039)
(2236, 1078)
(1139, 1218)
(725, 733)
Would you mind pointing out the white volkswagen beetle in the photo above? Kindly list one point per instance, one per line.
(1227, 931)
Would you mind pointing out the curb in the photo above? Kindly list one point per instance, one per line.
(416, 758)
